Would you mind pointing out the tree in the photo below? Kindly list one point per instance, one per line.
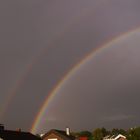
(122, 131)
(133, 134)
(85, 133)
(98, 134)
(115, 131)
(104, 132)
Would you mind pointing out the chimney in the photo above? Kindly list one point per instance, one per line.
(68, 131)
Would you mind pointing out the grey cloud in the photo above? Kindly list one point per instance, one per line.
(66, 31)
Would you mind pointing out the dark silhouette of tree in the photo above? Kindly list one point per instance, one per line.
(133, 134)
(115, 131)
(98, 134)
(104, 132)
(85, 133)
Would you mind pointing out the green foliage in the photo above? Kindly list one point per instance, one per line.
(98, 134)
(85, 133)
(133, 134)
(91, 138)
(122, 131)
(116, 131)
(104, 132)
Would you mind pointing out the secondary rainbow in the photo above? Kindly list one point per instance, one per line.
(66, 77)
(29, 66)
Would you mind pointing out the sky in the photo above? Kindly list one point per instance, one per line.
(41, 41)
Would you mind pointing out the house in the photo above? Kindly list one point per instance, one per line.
(16, 135)
(58, 135)
(115, 137)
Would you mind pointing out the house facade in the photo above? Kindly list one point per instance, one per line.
(57, 135)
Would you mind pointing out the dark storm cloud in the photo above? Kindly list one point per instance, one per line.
(68, 30)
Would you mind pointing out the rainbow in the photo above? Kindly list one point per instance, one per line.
(11, 93)
(70, 73)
